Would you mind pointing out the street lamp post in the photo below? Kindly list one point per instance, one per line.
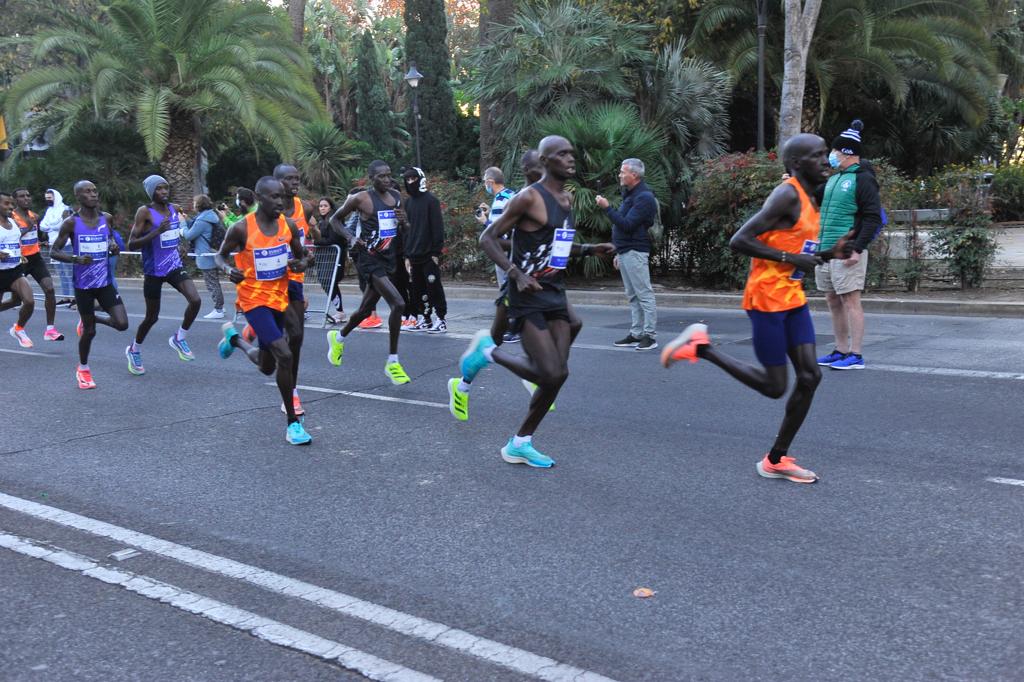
(762, 28)
(413, 79)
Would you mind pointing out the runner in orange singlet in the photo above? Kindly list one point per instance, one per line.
(782, 239)
(264, 240)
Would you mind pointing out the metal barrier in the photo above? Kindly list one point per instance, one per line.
(320, 283)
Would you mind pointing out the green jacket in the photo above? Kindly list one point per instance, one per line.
(850, 200)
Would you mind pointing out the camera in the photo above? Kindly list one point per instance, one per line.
(480, 211)
(222, 206)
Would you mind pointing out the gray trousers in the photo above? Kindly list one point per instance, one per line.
(212, 280)
(636, 278)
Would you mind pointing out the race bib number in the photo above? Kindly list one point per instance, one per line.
(31, 237)
(271, 263)
(169, 239)
(388, 224)
(810, 248)
(13, 251)
(94, 245)
(560, 248)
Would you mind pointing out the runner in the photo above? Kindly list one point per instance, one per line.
(380, 215)
(299, 212)
(540, 222)
(782, 240)
(35, 265)
(90, 233)
(156, 233)
(458, 388)
(12, 277)
(262, 241)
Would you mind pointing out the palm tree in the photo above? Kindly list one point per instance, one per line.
(325, 156)
(168, 67)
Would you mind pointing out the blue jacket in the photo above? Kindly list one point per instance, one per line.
(200, 231)
(633, 218)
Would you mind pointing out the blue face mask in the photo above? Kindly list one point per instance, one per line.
(833, 159)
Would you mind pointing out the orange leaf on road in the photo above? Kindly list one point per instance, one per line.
(643, 592)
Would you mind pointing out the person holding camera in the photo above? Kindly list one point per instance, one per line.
(199, 233)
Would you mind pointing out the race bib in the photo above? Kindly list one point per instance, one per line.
(271, 263)
(810, 248)
(169, 239)
(560, 248)
(31, 237)
(94, 245)
(13, 251)
(387, 223)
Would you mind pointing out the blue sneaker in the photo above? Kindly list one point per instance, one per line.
(474, 360)
(224, 347)
(134, 361)
(850, 361)
(184, 352)
(834, 356)
(525, 454)
(296, 434)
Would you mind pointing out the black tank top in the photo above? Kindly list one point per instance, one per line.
(544, 254)
(380, 230)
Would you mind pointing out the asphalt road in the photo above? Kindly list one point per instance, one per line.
(903, 562)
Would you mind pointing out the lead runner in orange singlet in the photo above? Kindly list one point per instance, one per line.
(268, 247)
(782, 240)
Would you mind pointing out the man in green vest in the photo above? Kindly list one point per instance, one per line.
(848, 201)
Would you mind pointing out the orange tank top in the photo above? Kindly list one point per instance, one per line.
(299, 218)
(30, 239)
(773, 286)
(264, 262)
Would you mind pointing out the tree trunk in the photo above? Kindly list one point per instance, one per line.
(492, 13)
(180, 162)
(800, 22)
(297, 15)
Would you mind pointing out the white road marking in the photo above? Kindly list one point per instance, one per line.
(368, 396)
(1006, 481)
(263, 628)
(28, 352)
(439, 634)
(947, 372)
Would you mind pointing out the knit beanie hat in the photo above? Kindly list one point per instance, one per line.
(151, 183)
(848, 142)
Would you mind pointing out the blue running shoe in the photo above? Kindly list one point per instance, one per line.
(474, 360)
(224, 347)
(134, 361)
(525, 454)
(834, 356)
(850, 361)
(184, 352)
(296, 434)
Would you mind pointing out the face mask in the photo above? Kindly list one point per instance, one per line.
(833, 159)
(489, 188)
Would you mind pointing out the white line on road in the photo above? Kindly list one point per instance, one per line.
(439, 634)
(947, 372)
(29, 352)
(368, 396)
(1006, 481)
(263, 628)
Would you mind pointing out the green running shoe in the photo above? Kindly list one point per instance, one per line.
(458, 401)
(396, 373)
(532, 388)
(335, 348)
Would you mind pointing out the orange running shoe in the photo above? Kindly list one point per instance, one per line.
(296, 407)
(408, 322)
(84, 377)
(372, 322)
(684, 346)
(248, 333)
(786, 468)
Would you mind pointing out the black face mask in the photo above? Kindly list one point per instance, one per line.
(412, 186)
(49, 202)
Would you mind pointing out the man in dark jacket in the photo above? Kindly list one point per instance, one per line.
(630, 224)
(849, 200)
(424, 242)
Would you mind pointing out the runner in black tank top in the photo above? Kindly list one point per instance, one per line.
(542, 241)
(381, 215)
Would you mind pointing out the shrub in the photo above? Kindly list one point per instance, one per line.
(1008, 193)
(463, 255)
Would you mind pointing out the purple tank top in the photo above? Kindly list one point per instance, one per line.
(160, 256)
(92, 241)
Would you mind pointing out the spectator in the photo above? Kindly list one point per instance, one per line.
(494, 184)
(328, 237)
(245, 203)
(49, 226)
(423, 244)
(849, 201)
(199, 233)
(630, 223)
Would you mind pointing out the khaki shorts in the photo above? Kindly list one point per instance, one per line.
(836, 277)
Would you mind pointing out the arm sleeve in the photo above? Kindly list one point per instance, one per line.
(869, 211)
(639, 216)
(436, 222)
